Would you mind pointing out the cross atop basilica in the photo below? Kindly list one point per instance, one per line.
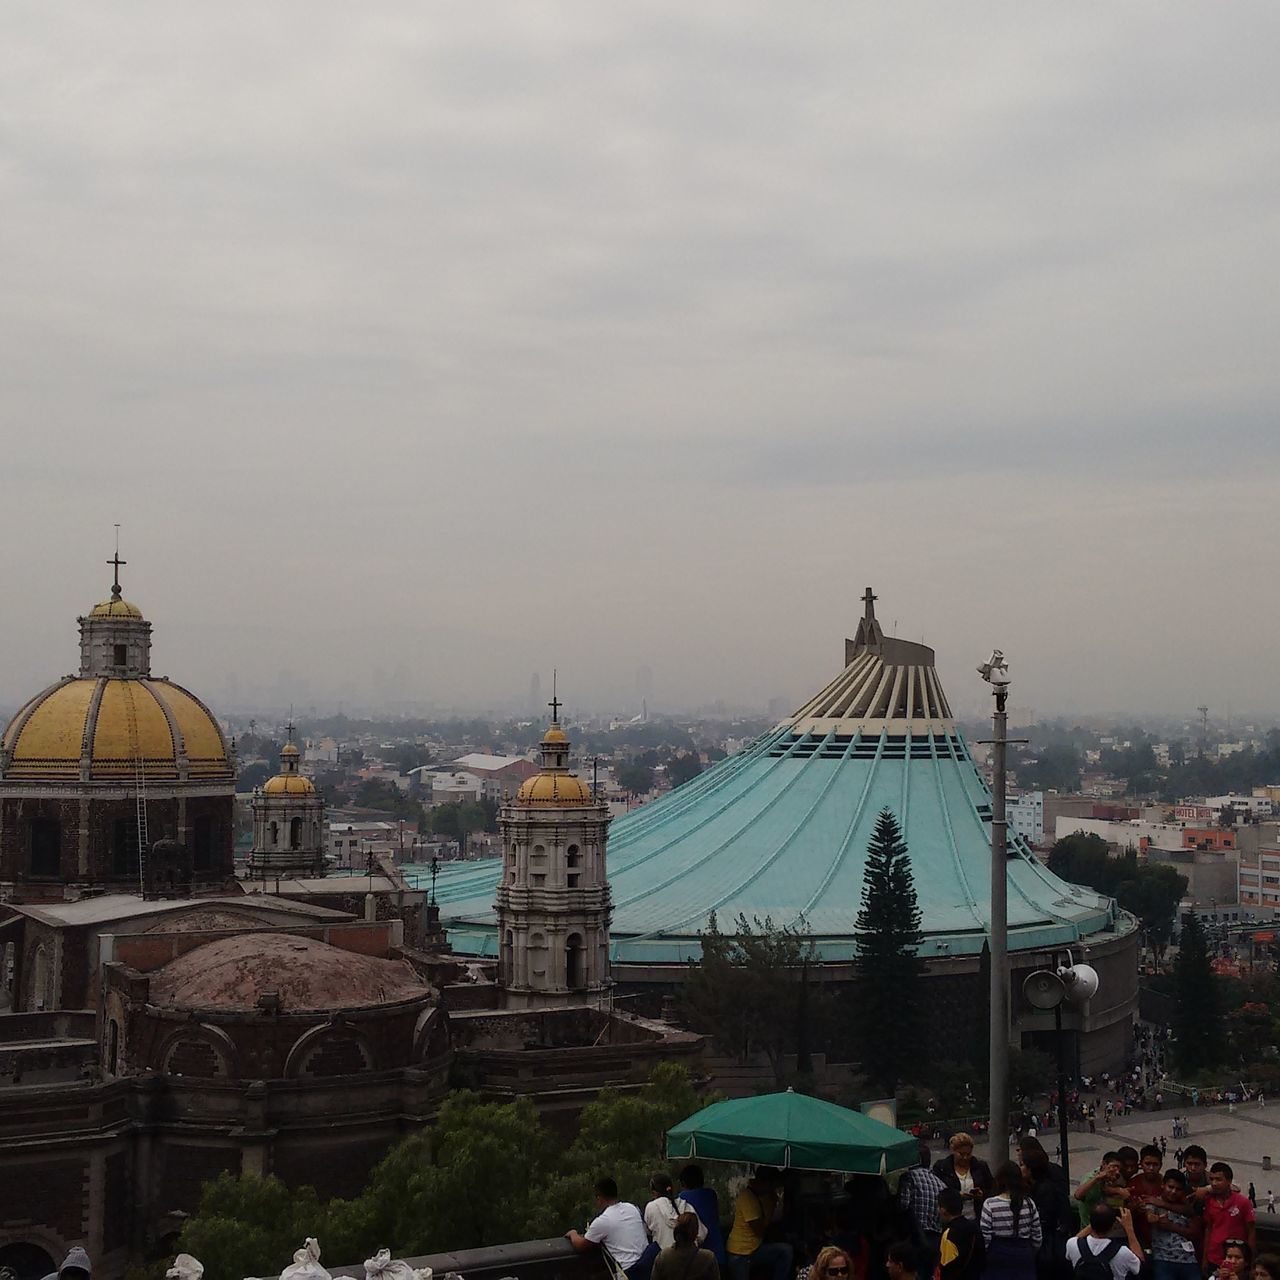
(555, 704)
(869, 599)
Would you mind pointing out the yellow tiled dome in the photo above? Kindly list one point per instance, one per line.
(288, 784)
(115, 608)
(115, 722)
(554, 789)
(555, 734)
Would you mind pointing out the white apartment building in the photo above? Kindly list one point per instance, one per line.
(1026, 816)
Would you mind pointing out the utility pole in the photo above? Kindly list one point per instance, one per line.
(996, 673)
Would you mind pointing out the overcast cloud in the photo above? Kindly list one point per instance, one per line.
(461, 341)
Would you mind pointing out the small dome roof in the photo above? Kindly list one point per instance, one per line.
(554, 790)
(115, 608)
(288, 784)
(232, 973)
(290, 749)
(120, 720)
(555, 734)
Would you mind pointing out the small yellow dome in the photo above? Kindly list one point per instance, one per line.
(115, 608)
(555, 734)
(554, 789)
(288, 784)
(289, 750)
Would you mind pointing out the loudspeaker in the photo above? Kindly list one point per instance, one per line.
(1043, 990)
(1081, 982)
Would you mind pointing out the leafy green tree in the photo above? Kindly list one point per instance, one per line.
(683, 767)
(250, 1226)
(636, 779)
(1197, 1020)
(888, 1009)
(1150, 891)
(743, 991)
(487, 1173)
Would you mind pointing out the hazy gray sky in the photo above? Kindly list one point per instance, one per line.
(474, 339)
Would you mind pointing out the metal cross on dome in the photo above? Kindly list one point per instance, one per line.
(116, 562)
(555, 704)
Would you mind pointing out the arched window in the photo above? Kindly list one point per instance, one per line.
(574, 977)
(295, 833)
(573, 855)
(508, 957)
(46, 846)
(274, 830)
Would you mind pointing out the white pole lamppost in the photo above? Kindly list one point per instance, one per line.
(996, 674)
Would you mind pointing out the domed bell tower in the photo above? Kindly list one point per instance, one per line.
(553, 903)
(288, 822)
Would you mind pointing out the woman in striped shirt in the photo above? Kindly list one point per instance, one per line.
(1010, 1228)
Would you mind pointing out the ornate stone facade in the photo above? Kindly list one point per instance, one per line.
(553, 902)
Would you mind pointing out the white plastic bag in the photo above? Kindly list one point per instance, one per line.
(385, 1267)
(185, 1267)
(306, 1263)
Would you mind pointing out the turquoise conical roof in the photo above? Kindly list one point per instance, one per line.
(781, 830)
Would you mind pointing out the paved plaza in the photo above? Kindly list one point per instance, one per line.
(1242, 1138)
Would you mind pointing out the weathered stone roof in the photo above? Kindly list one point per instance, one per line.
(233, 973)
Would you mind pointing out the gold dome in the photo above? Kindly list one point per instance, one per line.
(114, 722)
(561, 790)
(289, 749)
(115, 608)
(555, 734)
(288, 784)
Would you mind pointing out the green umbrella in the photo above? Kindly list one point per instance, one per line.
(792, 1131)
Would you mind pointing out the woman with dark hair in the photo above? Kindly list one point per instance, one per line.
(684, 1260)
(1266, 1266)
(1011, 1230)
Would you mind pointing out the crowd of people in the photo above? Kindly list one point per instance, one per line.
(955, 1218)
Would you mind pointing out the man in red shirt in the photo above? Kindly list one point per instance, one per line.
(1145, 1186)
(1227, 1216)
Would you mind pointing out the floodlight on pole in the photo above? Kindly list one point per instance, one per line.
(996, 674)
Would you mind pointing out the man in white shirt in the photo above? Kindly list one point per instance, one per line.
(1096, 1243)
(619, 1228)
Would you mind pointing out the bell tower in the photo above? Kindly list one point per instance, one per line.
(553, 902)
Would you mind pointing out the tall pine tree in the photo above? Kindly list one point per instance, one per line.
(1197, 1016)
(888, 993)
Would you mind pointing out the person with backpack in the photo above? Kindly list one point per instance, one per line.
(1094, 1255)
